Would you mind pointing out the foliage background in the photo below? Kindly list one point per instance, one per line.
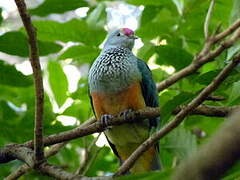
(172, 33)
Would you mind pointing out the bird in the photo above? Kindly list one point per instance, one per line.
(120, 83)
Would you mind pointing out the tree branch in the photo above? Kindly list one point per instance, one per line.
(39, 92)
(204, 56)
(210, 111)
(215, 157)
(178, 119)
(51, 152)
(16, 151)
(24, 168)
(27, 155)
(147, 112)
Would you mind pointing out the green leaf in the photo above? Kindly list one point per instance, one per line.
(163, 175)
(58, 82)
(98, 16)
(6, 112)
(179, 99)
(234, 17)
(233, 173)
(159, 75)
(208, 77)
(235, 11)
(105, 162)
(235, 92)
(57, 6)
(180, 5)
(9, 45)
(221, 7)
(74, 30)
(155, 28)
(1, 18)
(12, 77)
(78, 109)
(181, 142)
(81, 53)
(149, 2)
(146, 51)
(174, 56)
(149, 13)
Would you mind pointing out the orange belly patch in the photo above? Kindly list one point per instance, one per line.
(114, 103)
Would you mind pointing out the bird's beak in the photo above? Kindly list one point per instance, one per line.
(133, 37)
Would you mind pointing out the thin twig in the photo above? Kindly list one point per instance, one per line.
(207, 20)
(204, 56)
(215, 98)
(39, 92)
(85, 162)
(178, 119)
(228, 31)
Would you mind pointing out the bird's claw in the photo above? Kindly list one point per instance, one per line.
(125, 113)
(104, 120)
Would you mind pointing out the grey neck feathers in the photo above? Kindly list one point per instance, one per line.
(114, 70)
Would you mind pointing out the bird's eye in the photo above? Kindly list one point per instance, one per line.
(118, 34)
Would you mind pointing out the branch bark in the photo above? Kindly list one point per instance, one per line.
(148, 112)
(25, 168)
(37, 74)
(27, 155)
(51, 152)
(215, 157)
(178, 119)
(210, 111)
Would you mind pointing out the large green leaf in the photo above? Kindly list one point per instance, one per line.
(163, 175)
(149, 13)
(208, 77)
(12, 77)
(235, 11)
(146, 51)
(58, 82)
(81, 53)
(1, 18)
(79, 110)
(57, 6)
(105, 162)
(235, 92)
(149, 2)
(174, 102)
(235, 15)
(174, 56)
(74, 30)
(98, 16)
(181, 142)
(159, 26)
(7, 113)
(16, 43)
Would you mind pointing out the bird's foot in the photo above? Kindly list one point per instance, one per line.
(104, 120)
(125, 114)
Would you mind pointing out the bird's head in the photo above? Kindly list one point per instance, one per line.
(123, 37)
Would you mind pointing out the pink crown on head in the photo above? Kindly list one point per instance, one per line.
(127, 31)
